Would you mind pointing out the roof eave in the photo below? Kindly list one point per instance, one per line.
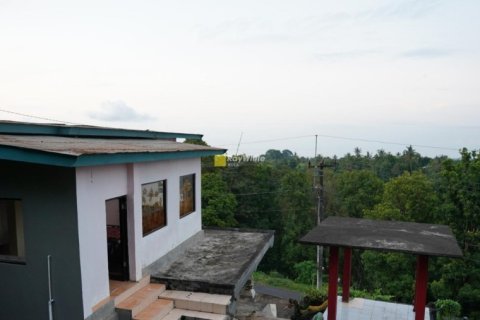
(118, 158)
(64, 160)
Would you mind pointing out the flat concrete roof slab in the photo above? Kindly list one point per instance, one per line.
(221, 262)
(408, 237)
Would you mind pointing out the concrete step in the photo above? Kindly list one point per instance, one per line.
(123, 289)
(155, 310)
(139, 300)
(197, 301)
(177, 314)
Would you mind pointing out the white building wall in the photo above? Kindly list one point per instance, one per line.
(94, 186)
(97, 184)
(156, 244)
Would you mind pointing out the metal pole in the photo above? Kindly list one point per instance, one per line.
(50, 299)
(318, 187)
(319, 195)
(319, 220)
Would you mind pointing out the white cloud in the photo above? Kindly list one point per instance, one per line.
(119, 111)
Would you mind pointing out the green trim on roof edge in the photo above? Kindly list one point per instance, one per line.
(35, 156)
(92, 132)
(117, 158)
(55, 159)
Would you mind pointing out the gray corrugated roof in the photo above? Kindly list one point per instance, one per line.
(409, 237)
(89, 146)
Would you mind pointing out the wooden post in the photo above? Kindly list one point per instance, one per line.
(347, 271)
(421, 283)
(332, 283)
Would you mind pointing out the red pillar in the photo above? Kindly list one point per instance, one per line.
(347, 271)
(332, 283)
(421, 287)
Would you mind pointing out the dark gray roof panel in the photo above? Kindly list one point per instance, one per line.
(408, 237)
(86, 146)
(55, 129)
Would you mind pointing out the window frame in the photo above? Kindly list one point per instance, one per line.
(16, 259)
(194, 194)
(165, 215)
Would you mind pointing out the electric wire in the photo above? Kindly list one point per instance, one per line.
(37, 117)
(272, 140)
(346, 138)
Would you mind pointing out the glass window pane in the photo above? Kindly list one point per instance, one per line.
(187, 194)
(12, 243)
(154, 208)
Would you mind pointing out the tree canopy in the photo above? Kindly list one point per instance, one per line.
(278, 194)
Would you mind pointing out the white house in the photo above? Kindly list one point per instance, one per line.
(80, 206)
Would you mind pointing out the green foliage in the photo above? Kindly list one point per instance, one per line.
(409, 197)
(305, 272)
(206, 161)
(275, 279)
(315, 296)
(357, 191)
(381, 267)
(447, 309)
(461, 193)
(218, 205)
(199, 142)
(440, 289)
(385, 165)
(297, 214)
(255, 186)
(375, 294)
(459, 190)
(277, 194)
(384, 211)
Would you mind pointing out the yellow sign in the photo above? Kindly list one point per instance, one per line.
(220, 161)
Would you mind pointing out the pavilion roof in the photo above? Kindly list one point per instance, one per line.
(396, 236)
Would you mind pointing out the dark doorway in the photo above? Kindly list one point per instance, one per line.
(117, 239)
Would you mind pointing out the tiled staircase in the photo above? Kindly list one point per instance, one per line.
(151, 301)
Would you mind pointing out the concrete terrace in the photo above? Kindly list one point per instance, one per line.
(221, 262)
(364, 309)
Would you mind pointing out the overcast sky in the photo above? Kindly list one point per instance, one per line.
(350, 71)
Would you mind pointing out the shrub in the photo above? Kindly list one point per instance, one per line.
(305, 272)
(447, 309)
(315, 296)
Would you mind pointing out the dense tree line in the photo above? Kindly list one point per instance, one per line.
(278, 194)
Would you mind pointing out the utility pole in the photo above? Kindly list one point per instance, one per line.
(319, 188)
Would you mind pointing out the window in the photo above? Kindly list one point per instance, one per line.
(154, 207)
(187, 194)
(12, 244)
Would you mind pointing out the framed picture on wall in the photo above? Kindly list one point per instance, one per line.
(187, 194)
(154, 206)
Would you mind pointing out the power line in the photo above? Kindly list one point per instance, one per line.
(345, 138)
(36, 117)
(269, 140)
(387, 142)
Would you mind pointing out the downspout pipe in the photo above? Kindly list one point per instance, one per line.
(50, 298)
